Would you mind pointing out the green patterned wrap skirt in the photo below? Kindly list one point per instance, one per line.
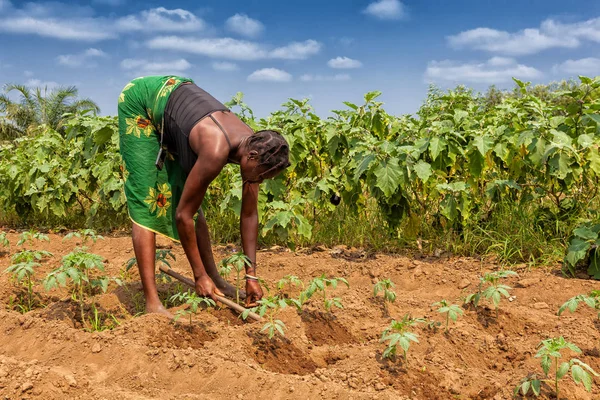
(152, 194)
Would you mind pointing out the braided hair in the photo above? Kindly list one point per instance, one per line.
(272, 148)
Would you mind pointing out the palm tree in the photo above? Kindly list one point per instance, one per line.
(37, 106)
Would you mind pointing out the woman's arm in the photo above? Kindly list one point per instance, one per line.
(249, 232)
(201, 175)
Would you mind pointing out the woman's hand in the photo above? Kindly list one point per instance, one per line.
(253, 293)
(207, 288)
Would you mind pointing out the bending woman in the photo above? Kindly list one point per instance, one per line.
(175, 139)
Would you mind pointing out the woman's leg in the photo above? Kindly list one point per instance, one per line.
(144, 246)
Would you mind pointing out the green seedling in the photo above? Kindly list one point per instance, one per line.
(385, 286)
(494, 290)
(592, 300)
(76, 267)
(4, 242)
(98, 324)
(399, 335)
(320, 284)
(529, 382)
(289, 280)
(549, 351)
(193, 301)
(269, 307)
(30, 236)
(452, 311)
(237, 262)
(85, 235)
(162, 257)
(30, 256)
(22, 275)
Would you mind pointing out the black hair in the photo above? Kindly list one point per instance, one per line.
(272, 148)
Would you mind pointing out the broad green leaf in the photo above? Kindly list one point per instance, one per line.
(388, 176)
(483, 144)
(423, 170)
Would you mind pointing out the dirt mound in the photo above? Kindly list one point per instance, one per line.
(45, 353)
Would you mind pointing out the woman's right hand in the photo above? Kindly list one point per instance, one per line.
(206, 287)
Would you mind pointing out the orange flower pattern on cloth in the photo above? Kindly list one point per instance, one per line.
(139, 125)
(159, 199)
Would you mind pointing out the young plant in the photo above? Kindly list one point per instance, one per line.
(30, 236)
(529, 382)
(289, 280)
(193, 301)
(22, 274)
(97, 323)
(269, 307)
(162, 257)
(238, 262)
(399, 335)
(320, 284)
(76, 267)
(549, 352)
(592, 300)
(84, 234)
(4, 242)
(30, 256)
(386, 287)
(493, 291)
(452, 311)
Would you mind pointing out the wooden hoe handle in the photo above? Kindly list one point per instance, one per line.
(231, 304)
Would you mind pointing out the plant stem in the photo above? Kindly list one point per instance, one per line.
(237, 286)
(29, 290)
(447, 320)
(81, 305)
(556, 376)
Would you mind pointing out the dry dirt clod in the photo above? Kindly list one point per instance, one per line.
(464, 283)
(96, 348)
(528, 282)
(541, 306)
(26, 386)
(70, 380)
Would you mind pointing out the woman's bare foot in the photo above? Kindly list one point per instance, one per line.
(158, 309)
(227, 288)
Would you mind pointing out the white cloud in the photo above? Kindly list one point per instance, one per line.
(161, 20)
(70, 22)
(297, 50)
(37, 83)
(586, 66)
(344, 63)
(224, 66)
(28, 74)
(227, 48)
(550, 34)
(244, 25)
(146, 67)
(81, 59)
(87, 30)
(321, 78)
(234, 49)
(490, 72)
(269, 75)
(386, 9)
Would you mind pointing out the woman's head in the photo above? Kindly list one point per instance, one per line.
(267, 155)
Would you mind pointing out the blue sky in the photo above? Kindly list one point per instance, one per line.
(330, 51)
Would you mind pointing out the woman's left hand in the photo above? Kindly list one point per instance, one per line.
(253, 293)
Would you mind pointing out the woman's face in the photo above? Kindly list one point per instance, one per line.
(252, 172)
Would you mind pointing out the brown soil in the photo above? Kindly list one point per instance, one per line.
(45, 354)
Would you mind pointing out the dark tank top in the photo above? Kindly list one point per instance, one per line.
(187, 105)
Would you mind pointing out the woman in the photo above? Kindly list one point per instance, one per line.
(175, 139)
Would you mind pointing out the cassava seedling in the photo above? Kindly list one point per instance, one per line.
(22, 274)
(30, 236)
(399, 335)
(30, 256)
(385, 286)
(452, 311)
(549, 351)
(193, 301)
(591, 300)
(269, 307)
(320, 284)
(239, 262)
(76, 268)
(493, 291)
(289, 280)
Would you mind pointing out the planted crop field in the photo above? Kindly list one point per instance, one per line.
(325, 350)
